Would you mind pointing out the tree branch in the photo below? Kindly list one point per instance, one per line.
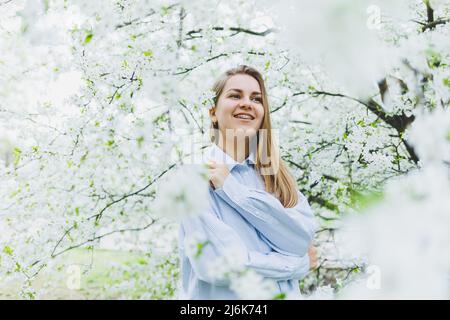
(398, 122)
(53, 255)
(193, 34)
(432, 25)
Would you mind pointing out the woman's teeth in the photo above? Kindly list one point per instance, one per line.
(244, 116)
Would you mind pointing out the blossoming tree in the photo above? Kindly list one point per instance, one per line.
(103, 103)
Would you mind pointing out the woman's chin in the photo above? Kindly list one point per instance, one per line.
(247, 131)
(242, 130)
(245, 127)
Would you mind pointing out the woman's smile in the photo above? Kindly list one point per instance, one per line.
(244, 117)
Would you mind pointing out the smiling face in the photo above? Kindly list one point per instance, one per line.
(239, 105)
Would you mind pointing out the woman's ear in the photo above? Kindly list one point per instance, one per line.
(212, 114)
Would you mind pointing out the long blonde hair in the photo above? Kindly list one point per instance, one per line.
(281, 183)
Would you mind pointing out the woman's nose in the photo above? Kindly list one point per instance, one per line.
(245, 102)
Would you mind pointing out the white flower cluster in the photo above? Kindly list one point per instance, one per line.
(182, 193)
(405, 238)
(6, 150)
(230, 263)
(193, 242)
(251, 285)
(207, 99)
(430, 134)
(322, 293)
(246, 283)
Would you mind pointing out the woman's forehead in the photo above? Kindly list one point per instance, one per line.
(242, 82)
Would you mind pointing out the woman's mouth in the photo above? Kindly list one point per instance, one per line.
(244, 116)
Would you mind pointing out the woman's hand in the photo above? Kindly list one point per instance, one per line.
(217, 173)
(312, 252)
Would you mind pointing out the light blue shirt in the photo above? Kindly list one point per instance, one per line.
(242, 215)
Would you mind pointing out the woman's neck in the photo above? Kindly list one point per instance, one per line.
(238, 149)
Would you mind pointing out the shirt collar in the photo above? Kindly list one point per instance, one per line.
(217, 154)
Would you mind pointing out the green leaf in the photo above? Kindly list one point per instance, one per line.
(46, 5)
(374, 124)
(200, 247)
(446, 82)
(139, 140)
(311, 88)
(433, 58)
(280, 296)
(363, 200)
(17, 154)
(164, 10)
(8, 250)
(345, 135)
(88, 38)
(83, 157)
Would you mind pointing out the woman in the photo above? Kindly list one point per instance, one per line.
(256, 211)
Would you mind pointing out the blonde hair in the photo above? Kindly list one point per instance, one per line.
(280, 183)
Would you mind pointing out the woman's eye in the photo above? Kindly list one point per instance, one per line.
(237, 96)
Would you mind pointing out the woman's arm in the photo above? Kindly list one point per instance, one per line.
(205, 239)
(287, 230)
(279, 266)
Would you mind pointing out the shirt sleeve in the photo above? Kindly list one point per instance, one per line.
(287, 230)
(278, 266)
(206, 240)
